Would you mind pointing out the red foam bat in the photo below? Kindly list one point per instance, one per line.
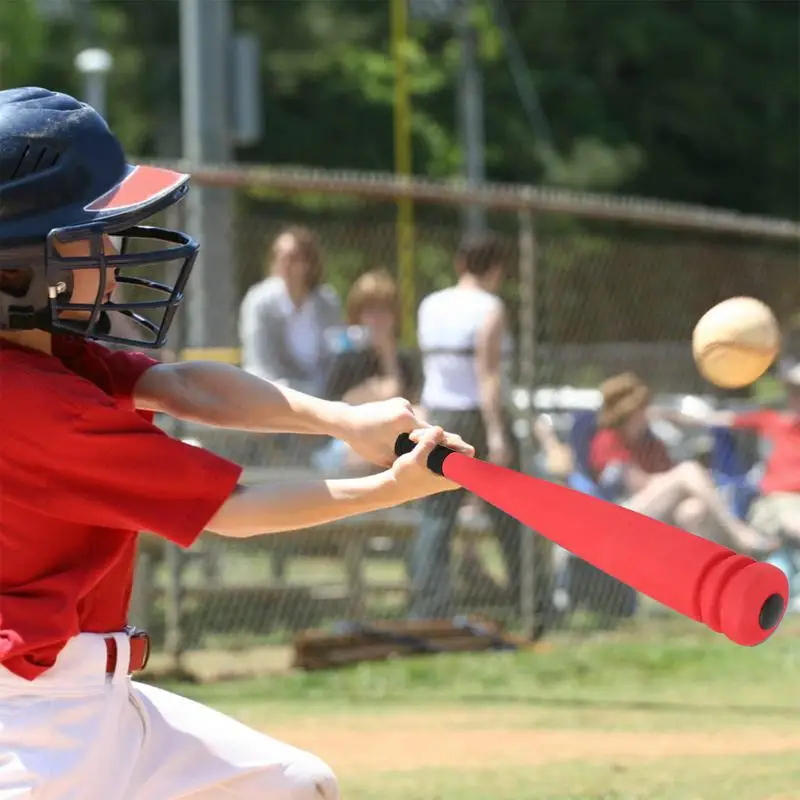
(732, 594)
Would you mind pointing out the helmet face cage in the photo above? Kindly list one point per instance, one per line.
(147, 329)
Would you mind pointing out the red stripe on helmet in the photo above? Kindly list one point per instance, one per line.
(141, 185)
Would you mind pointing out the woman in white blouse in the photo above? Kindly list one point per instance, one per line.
(283, 318)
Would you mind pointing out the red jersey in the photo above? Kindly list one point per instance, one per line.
(648, 453)
(782, 430)
(81, 473)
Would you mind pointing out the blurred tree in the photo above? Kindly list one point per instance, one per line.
(708, 93)
(23, 43)
(329, 80)
(144, 86)
(682, 99)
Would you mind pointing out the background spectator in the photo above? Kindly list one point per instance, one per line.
(776, 513)
(466, 349)
(369, 367)
(633, 465)
(283, 318)
(381, 369)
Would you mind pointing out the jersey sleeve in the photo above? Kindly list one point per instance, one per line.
(125, 368)
(760, 420)
(103, 466)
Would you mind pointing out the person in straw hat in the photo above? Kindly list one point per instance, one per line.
(633, 463)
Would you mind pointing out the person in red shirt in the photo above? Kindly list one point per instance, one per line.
(777, 511)
(634, 467)
(83, 469)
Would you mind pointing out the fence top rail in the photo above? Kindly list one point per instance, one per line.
(497, 196)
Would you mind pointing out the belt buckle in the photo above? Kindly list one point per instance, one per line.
(136, 634)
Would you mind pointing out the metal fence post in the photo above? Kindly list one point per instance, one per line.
(527, 377)
(173, 638)
(174, 557)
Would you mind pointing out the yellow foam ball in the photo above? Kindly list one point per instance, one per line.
(735, 342)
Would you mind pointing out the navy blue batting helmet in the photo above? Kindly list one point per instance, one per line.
(64, 178)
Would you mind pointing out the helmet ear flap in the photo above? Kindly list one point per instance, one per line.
(26, 305)
(17, 282)
(24, 290)
(18, 262)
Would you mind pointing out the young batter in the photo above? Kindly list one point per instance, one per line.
(83, 469)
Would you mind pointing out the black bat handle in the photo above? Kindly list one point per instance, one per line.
(436, 458)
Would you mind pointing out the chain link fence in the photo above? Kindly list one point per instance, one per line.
(597, 286)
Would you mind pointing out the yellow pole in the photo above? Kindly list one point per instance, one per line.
(402, 166)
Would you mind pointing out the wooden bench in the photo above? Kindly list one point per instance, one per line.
(350, 541)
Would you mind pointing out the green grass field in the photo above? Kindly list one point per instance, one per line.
(683, 716)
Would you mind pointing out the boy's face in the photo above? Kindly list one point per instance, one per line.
(86, 282)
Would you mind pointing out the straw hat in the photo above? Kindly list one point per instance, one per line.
(622, 396)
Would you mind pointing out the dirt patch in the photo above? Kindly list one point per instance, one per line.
(410, 742)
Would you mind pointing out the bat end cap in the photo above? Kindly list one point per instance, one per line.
(771, 612)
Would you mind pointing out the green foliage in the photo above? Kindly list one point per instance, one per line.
(769, 390)
(23, 38)
(692, 101)
(592, 164)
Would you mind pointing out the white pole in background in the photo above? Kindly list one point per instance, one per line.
(94, 64)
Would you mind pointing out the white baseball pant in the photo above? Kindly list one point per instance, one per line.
(77, 734)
